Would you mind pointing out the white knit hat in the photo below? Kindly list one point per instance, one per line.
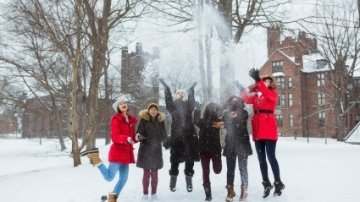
(123, 98)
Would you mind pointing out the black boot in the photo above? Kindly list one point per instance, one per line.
(267, 188)
(279, 186)
(188, 180)
(173, 183)
(207, 189)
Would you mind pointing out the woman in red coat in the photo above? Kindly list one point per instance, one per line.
(121, 152)
(263, 97)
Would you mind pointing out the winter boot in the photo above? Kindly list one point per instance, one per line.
(89, 151)
(173, 183)
(207, 189)
(243, 194)
(112, 197)
(188, 180)
(94, 159)
(230, 192)
(267, 188)
(279, 186)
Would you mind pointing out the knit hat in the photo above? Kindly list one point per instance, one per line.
(123, 98)
(152, 105)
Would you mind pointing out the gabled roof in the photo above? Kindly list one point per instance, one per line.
(310, 63)
(292, 59)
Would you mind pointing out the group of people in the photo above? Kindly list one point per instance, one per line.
(187, 145)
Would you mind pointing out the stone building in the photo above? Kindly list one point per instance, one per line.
(303, 77)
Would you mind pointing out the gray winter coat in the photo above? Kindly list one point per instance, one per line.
(237, 141)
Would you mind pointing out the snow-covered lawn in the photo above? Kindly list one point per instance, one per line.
(312, 172)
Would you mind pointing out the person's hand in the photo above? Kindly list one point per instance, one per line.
(162, 82)
(239, 86)
(254, 73)
(140, 137)
(130, 140)
(218, 124)
(167, 143)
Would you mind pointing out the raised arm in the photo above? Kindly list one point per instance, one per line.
(170, 106)
(191, 97)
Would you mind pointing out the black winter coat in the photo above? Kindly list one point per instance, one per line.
(237, 141)
(150, 151)
(209, 137)
(184, 141)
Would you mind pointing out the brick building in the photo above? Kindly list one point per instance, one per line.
(302, 74)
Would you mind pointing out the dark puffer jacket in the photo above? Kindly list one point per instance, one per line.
(184, 140)
(209, 137)
(150, 151)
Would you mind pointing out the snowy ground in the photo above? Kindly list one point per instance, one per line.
(312, 172)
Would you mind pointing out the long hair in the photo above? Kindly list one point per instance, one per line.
(211, 111)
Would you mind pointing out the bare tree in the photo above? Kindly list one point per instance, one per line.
(83, 43)
(335, 28)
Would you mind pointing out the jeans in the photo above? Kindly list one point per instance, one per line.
(109, 174)
(267, 148)
(205, 158)
(231, 163)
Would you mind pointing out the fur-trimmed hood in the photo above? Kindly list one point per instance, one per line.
(144, 114)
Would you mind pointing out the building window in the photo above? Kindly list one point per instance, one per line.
(291, 120)
(321, 118)
(277, 66)
(290, 99)
(280, 82)
(320, 79)
(290, 82)
(282, 100)
(321, 99)
(279, 120)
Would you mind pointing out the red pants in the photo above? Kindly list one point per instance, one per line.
(205, 158)
(153, 174)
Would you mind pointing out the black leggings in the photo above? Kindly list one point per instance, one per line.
(267, 148)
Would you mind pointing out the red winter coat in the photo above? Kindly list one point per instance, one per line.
(121, 151)
(264, 125)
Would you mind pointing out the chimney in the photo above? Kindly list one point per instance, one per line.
(273, 39)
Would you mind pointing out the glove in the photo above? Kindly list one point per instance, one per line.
(239, 86)
(193, 85)
(140, 137)
(162, 82)
(167, 143)
(254, 73)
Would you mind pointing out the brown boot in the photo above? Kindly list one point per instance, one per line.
(94, 159)
(112, 197)
(243, 194)
(230, 192)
